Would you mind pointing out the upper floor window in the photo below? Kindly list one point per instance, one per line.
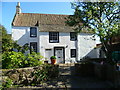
(33, 47)
(53, 37)
(73, 36)
(33, 32)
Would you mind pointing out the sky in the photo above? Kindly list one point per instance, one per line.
(9, 9)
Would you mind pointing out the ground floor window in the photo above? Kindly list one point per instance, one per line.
(33, 47)
(73, 53)
(48, 53)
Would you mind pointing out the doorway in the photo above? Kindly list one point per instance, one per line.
(59, 52)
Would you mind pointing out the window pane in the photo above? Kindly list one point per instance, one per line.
(73, 36)
(54, 37)
(73, 52)
(33, 32)
(33, 47)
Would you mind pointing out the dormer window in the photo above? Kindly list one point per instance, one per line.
(33, 32)
(53, 37)
(73, 36)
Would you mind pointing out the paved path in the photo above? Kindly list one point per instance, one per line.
(68, 80)
(72, 81)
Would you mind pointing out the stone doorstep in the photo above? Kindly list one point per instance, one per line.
(67, 64)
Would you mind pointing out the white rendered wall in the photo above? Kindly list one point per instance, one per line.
(87, 45)
(64, 40)
(84, 44)
(22, 36)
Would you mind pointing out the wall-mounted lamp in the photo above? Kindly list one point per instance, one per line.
(66, 46)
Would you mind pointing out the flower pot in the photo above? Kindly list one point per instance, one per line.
(53, 61)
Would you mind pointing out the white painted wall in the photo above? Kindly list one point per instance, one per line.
(84, 45)
(22, 36)
(64, 40)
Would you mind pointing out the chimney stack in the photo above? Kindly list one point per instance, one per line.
(18, 9)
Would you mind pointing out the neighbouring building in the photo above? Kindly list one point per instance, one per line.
(115, 48)
(48, 35)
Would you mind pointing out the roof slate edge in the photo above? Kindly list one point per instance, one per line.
(13, 20)
(45, 14)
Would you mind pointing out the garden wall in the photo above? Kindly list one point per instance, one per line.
(102, 71)
(107, 72)
(25, 76)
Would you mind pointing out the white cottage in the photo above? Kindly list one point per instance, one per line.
(48, 35)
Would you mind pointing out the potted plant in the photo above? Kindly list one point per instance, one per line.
(53, 59)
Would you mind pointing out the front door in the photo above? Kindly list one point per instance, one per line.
(59, 53)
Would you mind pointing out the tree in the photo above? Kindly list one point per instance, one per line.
(8, 44)
(12, 59)
(102, 18)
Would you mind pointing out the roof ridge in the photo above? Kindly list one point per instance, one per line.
(45, 14)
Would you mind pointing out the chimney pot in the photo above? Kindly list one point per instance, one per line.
(18, 9)
(18, 4)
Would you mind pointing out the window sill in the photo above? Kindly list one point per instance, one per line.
(53, 42)
(73, 57)
(33, 36)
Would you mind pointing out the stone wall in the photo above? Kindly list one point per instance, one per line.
(19, 76)
(23, 75)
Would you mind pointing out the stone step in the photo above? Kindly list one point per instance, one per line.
(67, 64)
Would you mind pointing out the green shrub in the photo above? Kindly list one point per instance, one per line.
(7, 83)
(12, 60)
(19, 60)
(53, 57)
(33, 59)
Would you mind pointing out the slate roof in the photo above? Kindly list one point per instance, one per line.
(45, 22)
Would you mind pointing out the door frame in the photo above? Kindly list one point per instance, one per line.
(63, 52)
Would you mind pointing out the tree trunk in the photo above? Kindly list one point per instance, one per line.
(108, 52)
(109, 55)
